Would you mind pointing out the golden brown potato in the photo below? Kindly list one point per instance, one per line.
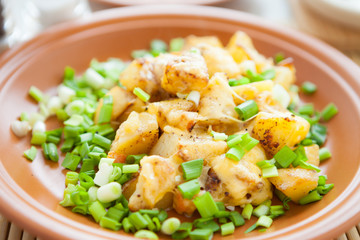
(251, 90)
(285, 76)
(178, 113)
(156, 179)
(182, 205)
(267, 103)
(242, 180)
(188, 146)
(192, 41)
(238, 45)
(275, 130)
(121, 100)
(136, 135)
(218, 60)
(217, 102)
(295, 182)
(139, 73)
(138, 106)
(312, 153)
(185, 73)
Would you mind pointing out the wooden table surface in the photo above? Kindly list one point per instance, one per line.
(291, 13)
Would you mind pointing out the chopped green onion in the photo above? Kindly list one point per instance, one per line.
(221, 213)
(192, 169)
(97, 210)
(268, 74)
(52, 139)
(36, 93)
(285, 157)
(201, 234)
(318, 133)
(276, 210)
(282, 197)
(146, 234)
(127, 225)
(194, 96)
(269, 172)
(218, 136)
(237, 82)
(322, 180)
(279, 57)
(61, 115)
(38, 138)
(138, 220)
(170, 225)
(72, 132)
(94, 79)
(227, 229)
(221, 206)
(84, 150)
(109, 192)
(313, 196)
(183, 231)
(236, 218)
(176, 44)
(307, 109)
(30, 154)
(266, 163)
(189, 189)
(53, 153)
(308, 88)
(67, 145)
(150, 212)
(234, 140)
(82, 209)
(109, 223)
(329, 112)
(134, 159)
(86, 181)
(310, 166)
(74, 121)
(247, 211)
(261, 210)
(210, 224)
(116, 214)
(71, 161)
(307, 142)
(157, 46)
(162, 215)
(264, 221)
(141, 94)
(106, 109)
(235, 153)
(80, 197)
(75, 107)
(248, 142)
(101, 141)
(325, 188)
(71, 178)
(130, 168)
(157, 223)
(140, 53)
(247, 109)
(24, 116)
(206, 205)
(324, 154)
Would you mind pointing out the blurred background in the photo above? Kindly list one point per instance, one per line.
(336, 22)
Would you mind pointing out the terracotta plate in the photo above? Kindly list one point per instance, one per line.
(30, 192)
(145, 2)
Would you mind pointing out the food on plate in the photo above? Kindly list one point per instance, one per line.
(209, 131)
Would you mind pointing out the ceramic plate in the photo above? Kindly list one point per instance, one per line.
(30, 191)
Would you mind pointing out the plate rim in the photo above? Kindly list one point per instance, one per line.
(102, 17)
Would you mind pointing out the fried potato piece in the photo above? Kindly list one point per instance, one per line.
(182, 205)
(218, 60)
(156, 179)
(193, 41)
(136, 135)
(188, 146)
(217, 102)
(295, 182)
(275, 130)
(242, 180)
(121, 100)
(178, 113)
(312, 153)
(237, 46)
(285, 76)
(185, 73)
(139, 73)
(251, 90)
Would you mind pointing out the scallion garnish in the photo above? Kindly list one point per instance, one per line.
(30, 153)
(247, 110)
(329, 112)
(189, 189)
(192, 169)
(141, 94)
(285, 157)
(308, 88)
(313, 196)
(206, 205)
